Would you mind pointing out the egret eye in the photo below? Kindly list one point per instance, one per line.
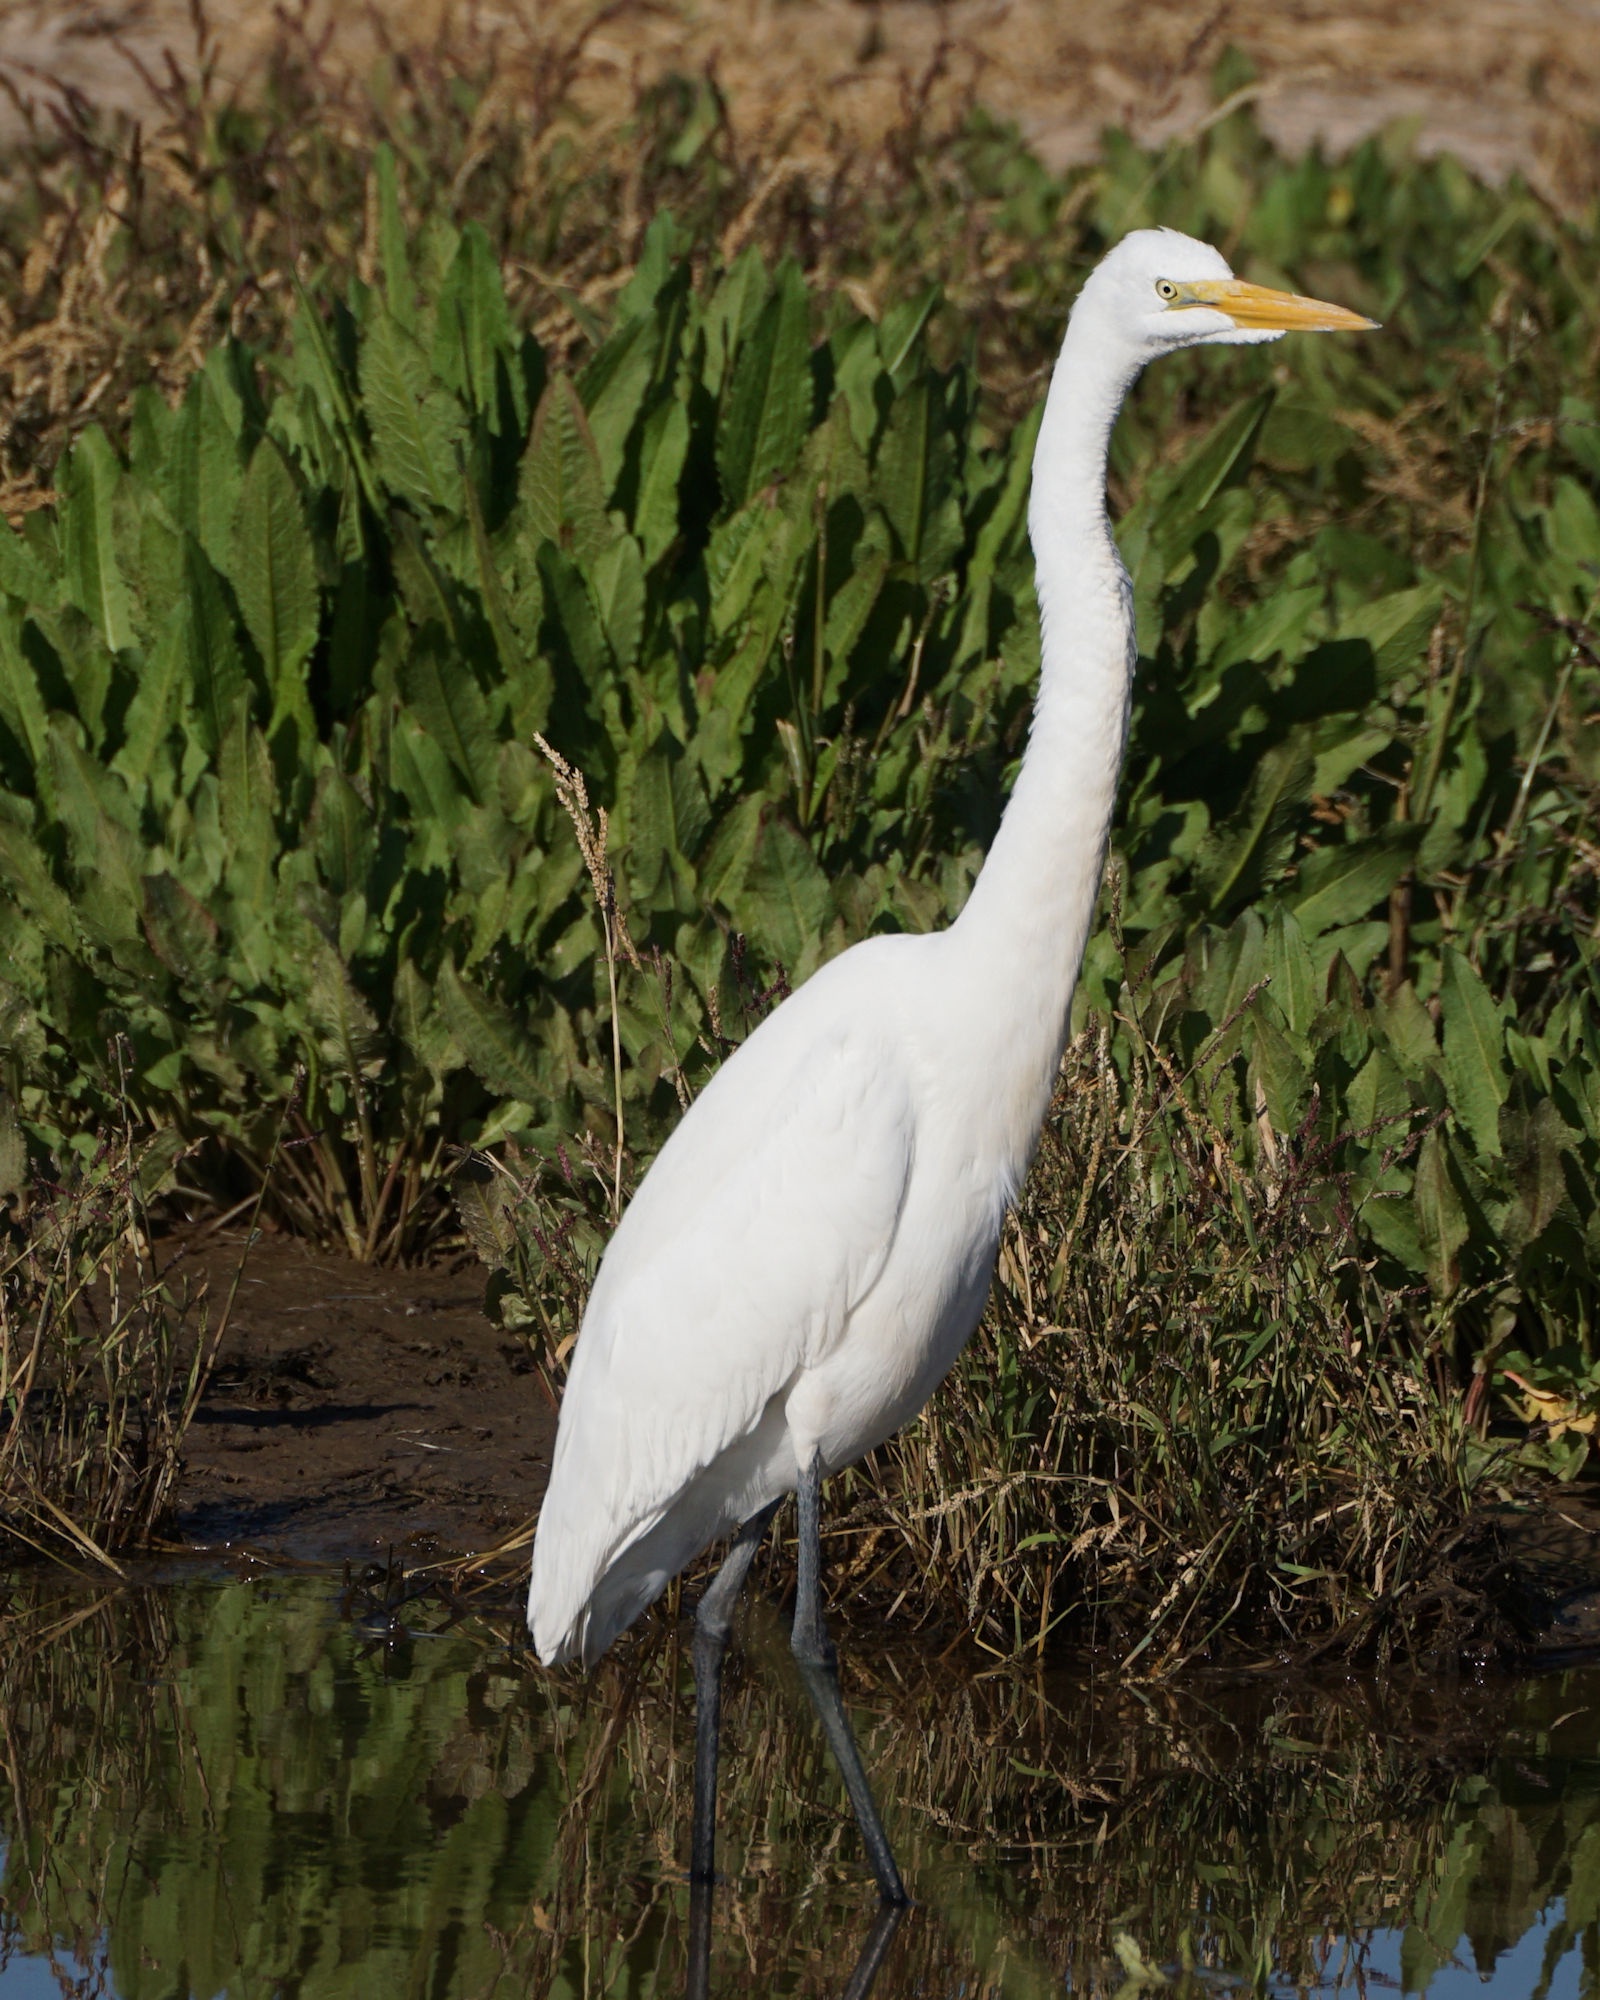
(1166, 289)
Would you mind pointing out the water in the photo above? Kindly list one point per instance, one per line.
(259, 1787)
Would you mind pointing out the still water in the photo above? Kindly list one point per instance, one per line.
(265, 1787)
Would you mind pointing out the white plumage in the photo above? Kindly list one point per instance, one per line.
(814, 1245)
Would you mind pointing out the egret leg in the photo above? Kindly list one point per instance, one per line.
(818, 1662)
(876, 1949)
(713, 1622)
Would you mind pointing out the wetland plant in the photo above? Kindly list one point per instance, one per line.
(353, 440)
(103, 1358)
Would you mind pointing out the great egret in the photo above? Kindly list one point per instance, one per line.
(814, 1244)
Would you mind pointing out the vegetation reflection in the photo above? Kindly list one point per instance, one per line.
(231, 1788)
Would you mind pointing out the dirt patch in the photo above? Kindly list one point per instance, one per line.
(353, 1411)
(1505, 87)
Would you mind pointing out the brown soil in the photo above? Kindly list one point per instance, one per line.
(1505, 86)
(353, 1411)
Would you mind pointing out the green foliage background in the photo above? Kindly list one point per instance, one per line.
(274, 827)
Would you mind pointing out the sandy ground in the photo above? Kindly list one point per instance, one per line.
(1507, 84)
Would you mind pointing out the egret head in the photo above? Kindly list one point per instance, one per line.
(1159, 290)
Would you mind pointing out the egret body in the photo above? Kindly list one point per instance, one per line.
(814, 1244)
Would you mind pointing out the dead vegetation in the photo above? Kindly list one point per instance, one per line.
(102, 1362)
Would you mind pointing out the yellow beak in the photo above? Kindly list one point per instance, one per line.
(1257, 305)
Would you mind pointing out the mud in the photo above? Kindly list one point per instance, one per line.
(355, 1411)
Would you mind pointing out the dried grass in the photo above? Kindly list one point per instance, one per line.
(1189, 1415)
(103, 1360)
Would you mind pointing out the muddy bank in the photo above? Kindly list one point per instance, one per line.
(353, 1411)
(357, 1414)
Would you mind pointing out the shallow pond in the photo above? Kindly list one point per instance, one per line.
(265, 1786)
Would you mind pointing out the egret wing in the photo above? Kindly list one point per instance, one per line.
(779, 1201)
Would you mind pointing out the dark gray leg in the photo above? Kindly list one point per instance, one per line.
(713, 1621)
(876, 1949)
(814, 1653)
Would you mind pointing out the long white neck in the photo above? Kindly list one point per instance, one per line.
(1025, 926)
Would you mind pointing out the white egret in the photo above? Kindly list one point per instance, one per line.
(813, 1246)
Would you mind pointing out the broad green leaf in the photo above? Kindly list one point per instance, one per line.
(492, 1040)
(852, 603)
(1441, 1218)
(342, 831)
(421, 1025)
(426, 775)
(348, 1038)
(183, 933)
(663, 452)
(474, 339)
(1474, 1042)
(900, 334)
(491, 589)
(562, 487)
(156, 703)
(1536, 1139)
(399, 288)
(618, 589)
(1409, 1029)
(1378, 1103)
(568, 594)
(217, 679)
(860, 379)
(247, 802)
(1249, 847)
(767, 405)
(730, 315)
(207, 470)
(1279, 625)
(613, 389)
(1235, 964)
(22, 575)
(1278, 1069)
(914, 480)
(88, 484)
(784, 902)
(83, 790)
(1293, 979)
(26, 878)
(75, 668)
(1222, 456)
(416, 423)
(446, 700)
(666, 818)
(737, 558)
(730, 852)
(1397, 628)
(22, 705)
(1340, 883)
(274, 575)
(318, 367)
